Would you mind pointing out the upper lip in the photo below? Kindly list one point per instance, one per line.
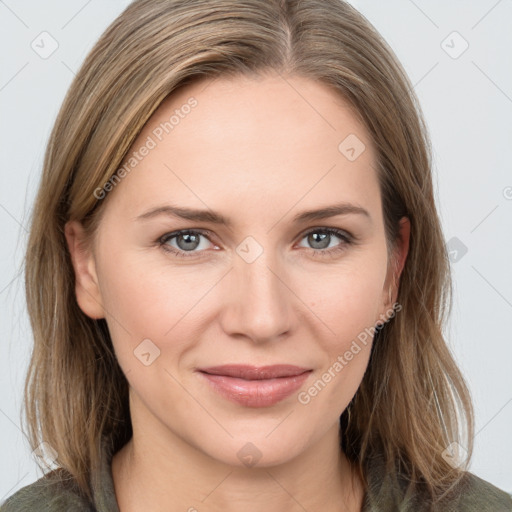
(249, 372)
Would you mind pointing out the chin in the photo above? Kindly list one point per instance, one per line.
(258, 451)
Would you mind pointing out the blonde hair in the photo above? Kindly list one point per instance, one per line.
(413, 401)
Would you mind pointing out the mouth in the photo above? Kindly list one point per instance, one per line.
(253, 386)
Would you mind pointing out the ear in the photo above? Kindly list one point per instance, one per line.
(87, 290)
(397, 263)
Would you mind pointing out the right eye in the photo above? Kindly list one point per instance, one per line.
(185, 241)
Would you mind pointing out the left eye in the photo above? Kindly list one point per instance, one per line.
(325, 237)
(187, 241)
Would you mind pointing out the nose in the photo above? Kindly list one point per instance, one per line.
(259, 302)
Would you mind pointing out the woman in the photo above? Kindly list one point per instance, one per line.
(237, 278)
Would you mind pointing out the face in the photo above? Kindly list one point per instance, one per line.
(266, 287)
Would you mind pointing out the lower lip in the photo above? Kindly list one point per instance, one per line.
(255, 393)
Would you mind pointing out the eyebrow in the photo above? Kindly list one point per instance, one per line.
(217, 218)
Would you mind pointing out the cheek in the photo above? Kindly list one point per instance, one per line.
(348, 297)
(141, 300)
(150, 330)
(348, 306)
(147, 307)
(348, 303)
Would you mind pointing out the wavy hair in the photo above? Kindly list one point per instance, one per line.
(413, 400)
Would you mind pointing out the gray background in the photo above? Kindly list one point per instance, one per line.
(467, 101)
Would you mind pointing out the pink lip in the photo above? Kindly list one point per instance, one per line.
(255, 386)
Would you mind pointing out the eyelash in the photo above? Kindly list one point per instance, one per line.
(346, 238)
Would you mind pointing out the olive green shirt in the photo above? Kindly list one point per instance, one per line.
(48, 494)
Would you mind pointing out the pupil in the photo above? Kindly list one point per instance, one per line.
(323, 237)
(189, 239)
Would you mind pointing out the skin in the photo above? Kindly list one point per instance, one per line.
(258, 151)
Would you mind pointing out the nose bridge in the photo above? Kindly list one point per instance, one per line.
(260, 303)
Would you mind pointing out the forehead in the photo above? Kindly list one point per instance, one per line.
(247, 141)
(267, 109)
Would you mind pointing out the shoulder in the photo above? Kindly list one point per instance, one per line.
(388, 490)
(475, 494)
(469, 494)
(51, 493)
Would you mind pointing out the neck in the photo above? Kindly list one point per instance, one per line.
(165, 473)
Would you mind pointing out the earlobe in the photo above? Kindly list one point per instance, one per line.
(87, 290)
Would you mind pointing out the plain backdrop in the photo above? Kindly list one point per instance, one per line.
(457, 55)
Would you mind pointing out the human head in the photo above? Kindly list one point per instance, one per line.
(141, 60)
